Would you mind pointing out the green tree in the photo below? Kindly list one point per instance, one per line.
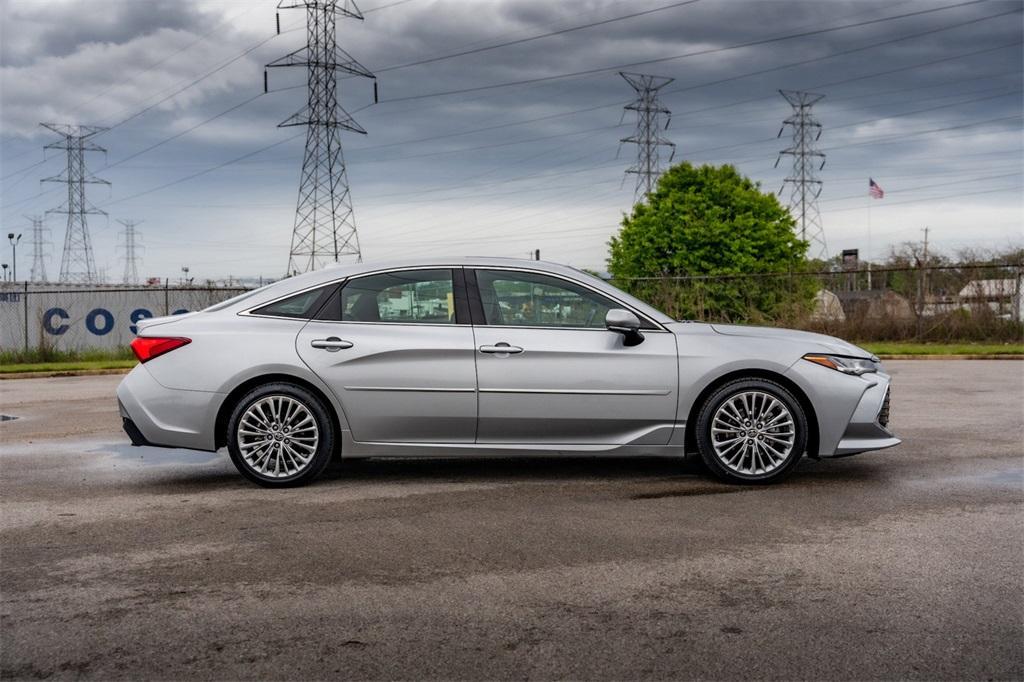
(687, 246)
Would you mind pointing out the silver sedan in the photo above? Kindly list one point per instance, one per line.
(490, 357)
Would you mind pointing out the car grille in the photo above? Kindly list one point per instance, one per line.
(883, 414)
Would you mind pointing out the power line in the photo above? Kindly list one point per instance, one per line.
(707, 51)
(122, 80)
(618, 103)
(520, 41)
(204, 171)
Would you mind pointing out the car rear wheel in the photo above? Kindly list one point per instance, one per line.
(280, 435)
(751, 431)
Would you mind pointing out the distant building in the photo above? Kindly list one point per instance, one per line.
(826, 307)
(1001, 296)
(875, 304)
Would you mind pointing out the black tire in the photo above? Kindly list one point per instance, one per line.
(325, 435)
(730, 390)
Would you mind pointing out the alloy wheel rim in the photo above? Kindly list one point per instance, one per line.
(277, 436)
(753, 433)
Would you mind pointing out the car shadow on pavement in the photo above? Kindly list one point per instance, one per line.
(510, 469)
(689, 476)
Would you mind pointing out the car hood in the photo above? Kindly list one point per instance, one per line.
(810, 340)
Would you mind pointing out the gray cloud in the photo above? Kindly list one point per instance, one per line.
(554, 181)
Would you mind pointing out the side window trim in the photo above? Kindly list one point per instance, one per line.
(476, 304)
(477, 307)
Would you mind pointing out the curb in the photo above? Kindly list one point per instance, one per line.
(64, 373)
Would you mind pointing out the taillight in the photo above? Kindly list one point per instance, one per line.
(148, 347)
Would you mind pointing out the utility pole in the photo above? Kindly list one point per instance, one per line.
(131, 257)
(803, 180)
(325, 228)
(39, 243)
(924, 265)
(76, 264)
(647, 137)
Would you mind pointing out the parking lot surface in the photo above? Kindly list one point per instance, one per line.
(121, 562)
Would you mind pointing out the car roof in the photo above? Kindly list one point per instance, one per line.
(336, 271)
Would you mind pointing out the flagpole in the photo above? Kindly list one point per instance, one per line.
(867, 256)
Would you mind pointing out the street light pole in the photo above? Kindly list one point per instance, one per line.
(14, 255)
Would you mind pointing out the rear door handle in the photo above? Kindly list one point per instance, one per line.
(331, 344)
(501, 348)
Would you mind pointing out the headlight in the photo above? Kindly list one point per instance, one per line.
(845, 365)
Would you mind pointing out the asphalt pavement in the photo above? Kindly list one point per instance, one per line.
(121, 562)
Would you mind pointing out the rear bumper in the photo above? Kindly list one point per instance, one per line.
(153, 414)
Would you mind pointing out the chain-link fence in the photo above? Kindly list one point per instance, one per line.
(947, 303)
(44, 317)
(936, 303)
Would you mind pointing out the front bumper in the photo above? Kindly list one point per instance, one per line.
(869, 427)
(851, 411)
(153, 414)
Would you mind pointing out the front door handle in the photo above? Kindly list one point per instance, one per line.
(501, 348)
(332, 344)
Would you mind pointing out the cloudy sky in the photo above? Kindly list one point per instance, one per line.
(506, 150)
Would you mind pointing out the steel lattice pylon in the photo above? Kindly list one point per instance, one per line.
(325, 228)
(39, 244)
(647, 137)
(131, 248)
(805, 187)
(77, 263)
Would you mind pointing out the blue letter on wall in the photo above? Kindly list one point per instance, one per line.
(48, 321)
(108, 321)
(139, 314)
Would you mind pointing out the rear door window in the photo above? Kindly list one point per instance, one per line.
(302, 306)
(401, 297)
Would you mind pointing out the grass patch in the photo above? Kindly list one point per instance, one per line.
(70, 366)
(900, 348)
(37, 355)
(51, 360)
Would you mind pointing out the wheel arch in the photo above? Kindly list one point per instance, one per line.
(788, 384)
(236, 394)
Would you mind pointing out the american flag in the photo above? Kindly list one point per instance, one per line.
(875, 190)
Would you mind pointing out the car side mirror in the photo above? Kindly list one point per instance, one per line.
(626, 323)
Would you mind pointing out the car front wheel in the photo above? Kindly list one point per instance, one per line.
(751, 431)
(280, 435)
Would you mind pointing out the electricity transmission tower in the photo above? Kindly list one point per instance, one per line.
(805, 187)
(325, 228)
(39, 244)
(647, 137)
(131, 256)
(76, 264)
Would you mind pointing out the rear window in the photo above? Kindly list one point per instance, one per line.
(233, 300)
(302, 306)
